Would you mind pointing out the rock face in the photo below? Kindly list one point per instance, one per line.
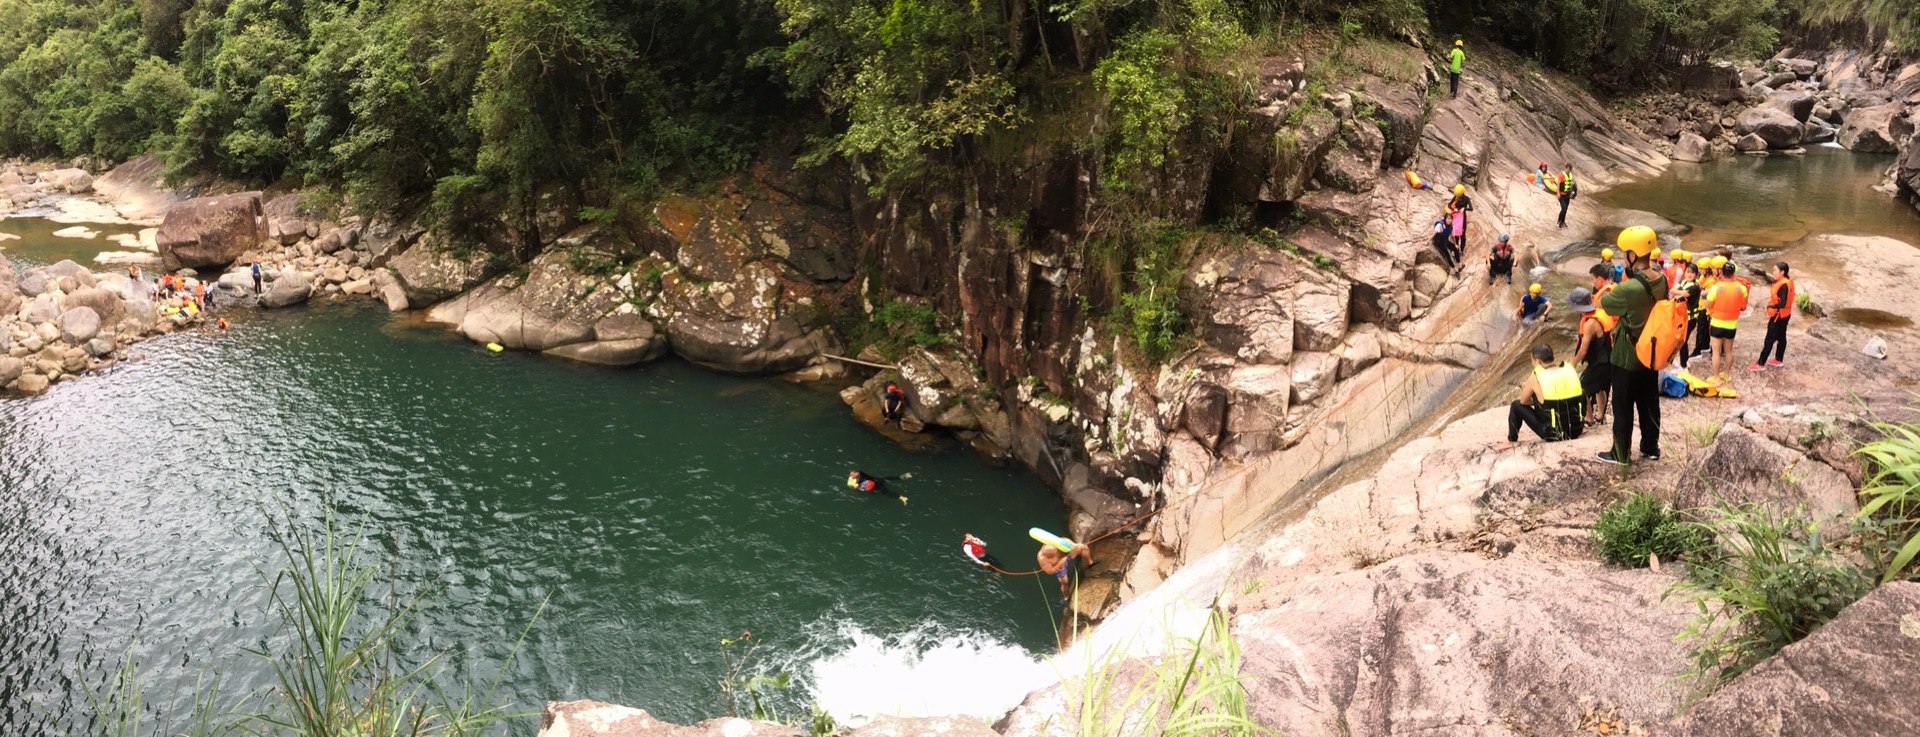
(1744, 466)
(1691, 147)
(1779, 129)
(9, 291)
(552, 307)
(209, 231)
(1792, 102)
(429, 274)
(1849, 677)
(290, 289)
(1879, 129)
(769, 346)
(1750, 142)
(79, 325)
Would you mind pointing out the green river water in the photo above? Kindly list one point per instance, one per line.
(654, 511)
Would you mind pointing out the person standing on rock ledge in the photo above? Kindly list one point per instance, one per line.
(256, 278)
(1453, 70)
(1595, 349)
(1457, 210)
(1636, 388)
(893, 404)
(1500, 260)
(1779, 311)
(1567, 189)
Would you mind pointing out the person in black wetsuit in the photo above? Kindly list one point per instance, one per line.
(860, 481)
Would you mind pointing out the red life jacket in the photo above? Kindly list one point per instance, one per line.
(974, 548)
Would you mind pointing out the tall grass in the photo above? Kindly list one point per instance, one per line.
(1890, 502)
(337, 662)
(1639, 525)
(1771, 581)
(1195, 689)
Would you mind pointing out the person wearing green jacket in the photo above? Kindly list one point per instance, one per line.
(1635, 387)
(1459, 58)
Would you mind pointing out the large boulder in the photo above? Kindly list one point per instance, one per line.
(552, 306)
(1750, 142)
(1257, 402)
(70, 181)
(1850, 677)
(745, 346)
(1801, 68)
(9, 291)
(1263, 304)
(1778, 128)
(290, 289)
(10, 369)
(79, 325)
(1878, 129)
(1744, 466)
(631, 352)
(430, 273)
(108, 305)
(1691, 147)
(283, 218)
(1792, 102)
(209, 231)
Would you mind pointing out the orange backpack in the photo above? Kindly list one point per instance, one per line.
(1665, 332)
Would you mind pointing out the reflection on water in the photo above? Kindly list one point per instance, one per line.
(37, 246)
(1773, 201)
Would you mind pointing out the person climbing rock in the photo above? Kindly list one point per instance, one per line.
(1459, 60)
(1550, 401)
(1443, 242)
(1636, 388)
(1725, 301)
(893, 404)
(1567, 189)
(1500, 260)
(862, 482)
(1533, 306)
(976, 550)
(1061, 566)
(1595, 350)
(1457, 209)
(1779, 311)
(256, 278)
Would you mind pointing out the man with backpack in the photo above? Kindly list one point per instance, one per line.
(1636, 384)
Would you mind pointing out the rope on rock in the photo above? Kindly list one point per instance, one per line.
(858, 361)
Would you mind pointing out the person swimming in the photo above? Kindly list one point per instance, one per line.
(976, 550)
(860, 481)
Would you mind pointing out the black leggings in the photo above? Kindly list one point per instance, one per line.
(1448, 253)
(1776, 335)
(1635, 390)
(1564, 202)
(1705, 326)
(1527, 414)
(1454, 87)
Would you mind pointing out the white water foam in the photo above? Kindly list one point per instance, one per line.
(925, 672)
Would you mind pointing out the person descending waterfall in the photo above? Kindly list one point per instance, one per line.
(1061, 566)
(1443, 242)
(1567, 189)
(893, 404)
(1779, 311)
(1458, 59)
(1595, 349)
(862, 482)
(1457, 209)
(1636, 387)
(1534, 306)
(1500, 261)
(976, 550)
(1550, 401)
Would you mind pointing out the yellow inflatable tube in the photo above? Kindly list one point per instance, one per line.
(1049, 539)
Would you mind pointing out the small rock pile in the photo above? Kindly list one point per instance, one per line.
(63, 320)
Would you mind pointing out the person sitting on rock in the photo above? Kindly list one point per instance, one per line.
(1061, 566)
(1534, 306)
(1550, 403)
(1500, 260)
(893, 404)
(862, 482)
(976, 550)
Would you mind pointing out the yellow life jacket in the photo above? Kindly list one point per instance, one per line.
(1561, 398)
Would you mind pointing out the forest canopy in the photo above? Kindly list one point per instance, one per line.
(391, 101)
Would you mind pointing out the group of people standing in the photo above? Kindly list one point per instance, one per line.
(1626, 348)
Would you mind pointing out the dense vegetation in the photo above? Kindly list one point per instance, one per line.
(394, 102)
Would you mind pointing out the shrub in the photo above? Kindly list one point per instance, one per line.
(1890, 502)
(907, 324)
(1641, 524)
(1771, 582)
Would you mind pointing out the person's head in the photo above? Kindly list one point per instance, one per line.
(1457, 43)
(1459, 189)
(1601, 275)
(1606, 255)
(1567, 167)
(1656, 255)
(1543, 166)
(1533, 289)
(1050, 552)
(1727, 271)
(1781, 270)
(1542, 354)
(892, 386)
(1637, 245)
(969, 538)
(1503, 240)
(1581, 300)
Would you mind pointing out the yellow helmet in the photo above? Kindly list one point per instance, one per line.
(1459, 189)
(1456, 42)
(1638, 240)
(1606, 254)
(1533, 289)
(1656, 254)
(1682, 255)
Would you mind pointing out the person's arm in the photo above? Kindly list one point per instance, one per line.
(1546, 308)
(1584, 343)
(1530, 390)
(964, 548)
(1615, 301)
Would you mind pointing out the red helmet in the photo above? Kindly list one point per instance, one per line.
(1543, 164)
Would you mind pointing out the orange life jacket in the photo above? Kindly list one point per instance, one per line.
(1599, 315)
(1729, 298)
(1782, 304)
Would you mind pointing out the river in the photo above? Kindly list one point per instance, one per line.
(654, 511)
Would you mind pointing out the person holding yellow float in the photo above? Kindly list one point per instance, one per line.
(1056, 557)
(864, 483)
(1457, 209)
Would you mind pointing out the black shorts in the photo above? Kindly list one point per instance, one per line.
(1597, 379)
(1722, 333)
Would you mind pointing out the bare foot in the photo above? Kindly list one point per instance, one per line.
(1506, 445)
